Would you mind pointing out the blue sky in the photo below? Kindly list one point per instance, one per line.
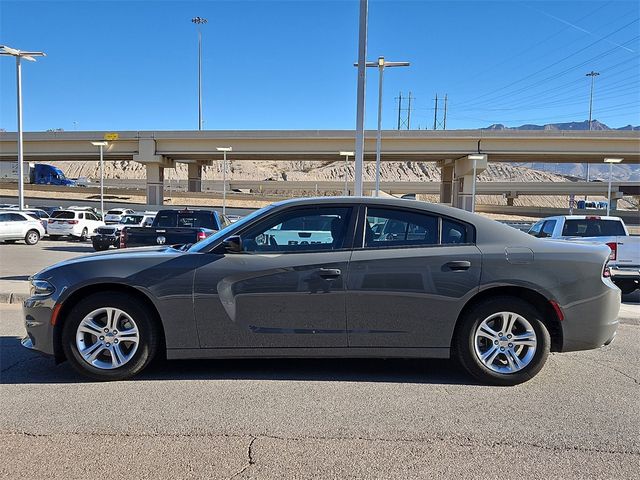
(116, 65)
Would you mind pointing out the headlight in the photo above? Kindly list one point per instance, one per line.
(41, 288)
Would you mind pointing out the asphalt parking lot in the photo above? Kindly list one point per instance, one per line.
(313, 418)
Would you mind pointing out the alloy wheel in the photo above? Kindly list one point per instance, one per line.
(107, 338)
(505, 342)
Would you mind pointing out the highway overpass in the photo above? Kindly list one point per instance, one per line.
(158, 150)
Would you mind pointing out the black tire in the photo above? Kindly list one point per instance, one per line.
(100, 248)
(147, 328)
(32, 237)
(465, 342)
(84, 235)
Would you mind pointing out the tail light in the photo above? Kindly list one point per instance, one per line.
(606, 272)
(201, 236)
(614, 250)
(123, 238)
(50, 220)
(72, 222)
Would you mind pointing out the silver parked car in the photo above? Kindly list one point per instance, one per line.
(429, 281)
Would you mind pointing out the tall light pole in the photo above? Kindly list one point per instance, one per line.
(610, 161)
(101, 145)
(381, 64)
(593, 76)
(362, 73)
(8, 51)
(199, 21)
(346, 156)
(224, 151)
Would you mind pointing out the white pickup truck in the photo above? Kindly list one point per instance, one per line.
(625, 249)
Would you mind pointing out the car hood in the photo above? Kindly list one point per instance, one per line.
(123, 255)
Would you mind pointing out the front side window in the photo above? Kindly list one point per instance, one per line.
(299, 230)
(16, 217)
(394, 228)
(547, 228)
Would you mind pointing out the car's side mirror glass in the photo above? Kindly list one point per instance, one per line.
(232, 244)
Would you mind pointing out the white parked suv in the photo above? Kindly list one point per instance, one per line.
(20, 226)
(115, 215)
(74, 223)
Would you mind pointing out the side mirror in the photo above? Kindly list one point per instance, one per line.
(232, 244)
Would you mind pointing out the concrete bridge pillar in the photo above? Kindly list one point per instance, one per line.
(462, 184)
(194, 173)
(615, 196)
(155, 165)
(446, 183)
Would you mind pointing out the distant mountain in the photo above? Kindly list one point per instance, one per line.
(595, 125)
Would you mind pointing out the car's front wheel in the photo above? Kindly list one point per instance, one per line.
(32, 237)
(109, 336)
(502, 341)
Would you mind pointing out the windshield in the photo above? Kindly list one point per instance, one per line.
(59, 173)
(225, 232)
(131, 219)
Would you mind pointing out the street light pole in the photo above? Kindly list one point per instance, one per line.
(362, 58)
(101, 145)
(381, 64)
(224, 151)
(8, 51)
(199, 21)
(346, 156)
(593, 75)
(610, 161)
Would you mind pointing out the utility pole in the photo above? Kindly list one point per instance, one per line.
(593, 76)
(409, 113)
(435, 113)
(399, 108)
(362, 72)
(444, 122)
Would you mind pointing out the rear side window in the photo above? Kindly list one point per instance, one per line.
(392, 228)
(592, 227)
(114, 212)
(16, 217)
(63, 214)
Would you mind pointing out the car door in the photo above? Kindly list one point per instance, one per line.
(275, 293)
(5, 226)
(408, 282)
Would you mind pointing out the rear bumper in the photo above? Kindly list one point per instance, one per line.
(631, 272)
(591, 323)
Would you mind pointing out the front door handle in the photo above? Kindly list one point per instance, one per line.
(329, 272)
(458, 265)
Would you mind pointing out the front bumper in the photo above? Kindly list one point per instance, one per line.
(591, 323)
(105, 240)
(40, 332)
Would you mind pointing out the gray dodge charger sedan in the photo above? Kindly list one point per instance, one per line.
(331, 277)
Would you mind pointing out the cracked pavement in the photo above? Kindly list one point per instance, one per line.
(320, 418)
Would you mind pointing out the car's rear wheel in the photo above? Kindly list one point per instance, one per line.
(84, 235)
(502, 341)
(109, 336)
(32, 237)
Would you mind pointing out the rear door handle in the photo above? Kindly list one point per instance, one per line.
(458, 265)
(329, 272)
